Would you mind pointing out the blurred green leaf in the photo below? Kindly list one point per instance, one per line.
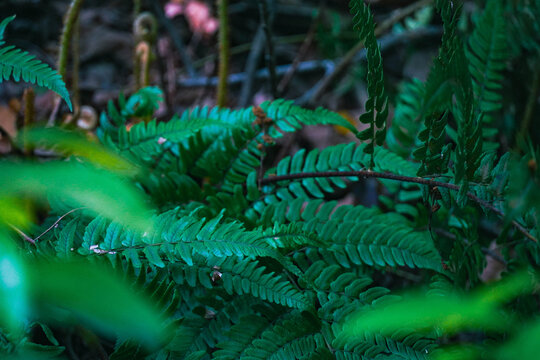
(13, 287)
(525, 345)
(448, 314)
(510, 287)
(74, 143)
(461, 352)
(424, 313)
(100, 191)
(17, 215)
(96, 295)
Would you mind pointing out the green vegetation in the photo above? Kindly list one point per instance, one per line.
(170, 240)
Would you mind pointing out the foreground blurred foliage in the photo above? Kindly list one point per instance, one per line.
(170, 240)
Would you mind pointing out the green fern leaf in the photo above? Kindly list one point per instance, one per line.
(18, 64)
(288, 117)
(361, 237)
(66, 240)
(240, 336)
(3, 26)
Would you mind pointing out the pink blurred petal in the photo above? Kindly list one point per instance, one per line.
(211, 26)
(199, 18)
(173, 9)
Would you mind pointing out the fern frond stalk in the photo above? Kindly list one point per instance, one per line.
(224, 52)
(402, 178)
(76, 64)
(67, 32)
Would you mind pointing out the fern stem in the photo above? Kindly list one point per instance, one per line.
(402, 178)
(75, 77)
(57, 221)
(266, 22)
(69, 22)
(65, 38)
(145, 33)
(223, 52)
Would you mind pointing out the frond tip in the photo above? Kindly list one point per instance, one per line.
(17, 64)
(377, 103)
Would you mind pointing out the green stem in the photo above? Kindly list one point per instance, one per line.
(75, 77)
(70, 20)
(223, 52)
(145, 34)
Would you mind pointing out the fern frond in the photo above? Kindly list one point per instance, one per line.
(470, 141)
(358, 236)
(288, 117)
(146, 138)
(3, 26)
(291, 338)
(66, 239)
(338, 291)
(228, 312)
(344, 157)
(399, 346)
(376, 105)
(242, 277)
(487, 53)
(248, 277)
(188, 238)
(227, 147)
(363, 242)
(406, 124)
(240, 336)
(433, 153)
(18, 64)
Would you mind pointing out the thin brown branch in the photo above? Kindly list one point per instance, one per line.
(402, 178)
(23, 235)
(57, 221)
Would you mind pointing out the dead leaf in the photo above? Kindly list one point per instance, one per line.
(8, 120)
